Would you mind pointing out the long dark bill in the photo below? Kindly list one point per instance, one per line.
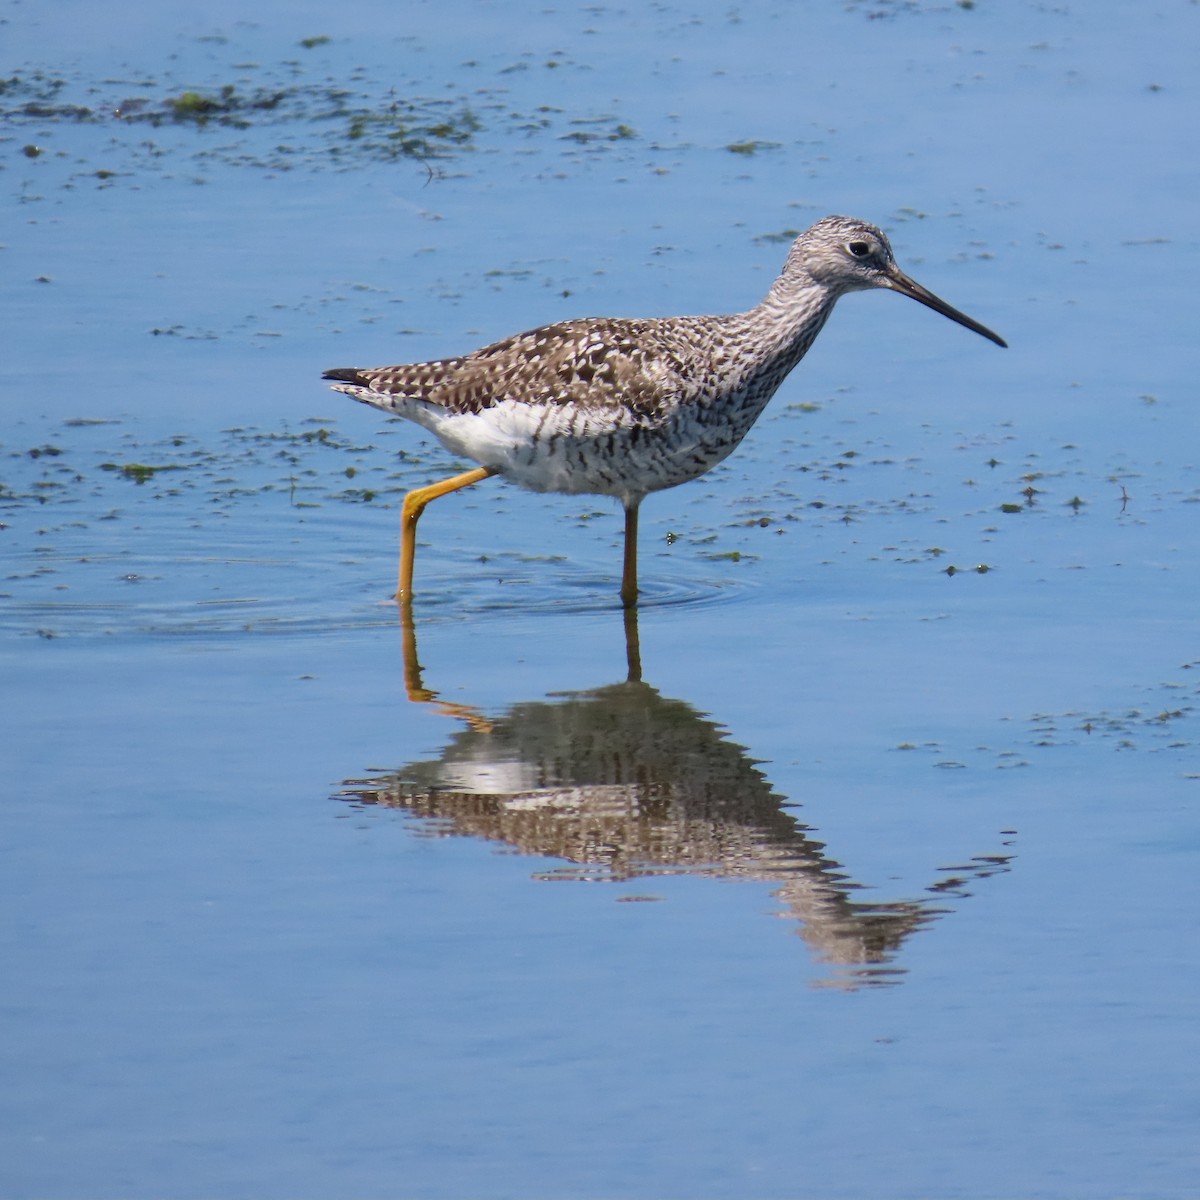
(909, 287)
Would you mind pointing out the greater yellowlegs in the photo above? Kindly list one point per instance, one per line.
(624, 407)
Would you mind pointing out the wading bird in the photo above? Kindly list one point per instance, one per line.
(622, 406)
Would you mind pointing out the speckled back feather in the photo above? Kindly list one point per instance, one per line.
(642, 366)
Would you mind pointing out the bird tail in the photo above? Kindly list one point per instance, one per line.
(347, 375)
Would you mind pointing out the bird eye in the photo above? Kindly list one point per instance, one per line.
(859, 249)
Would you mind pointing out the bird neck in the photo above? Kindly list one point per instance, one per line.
(789, 318)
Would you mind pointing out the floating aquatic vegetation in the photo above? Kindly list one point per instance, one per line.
(226, 106)
(284, 120)
(751, 147)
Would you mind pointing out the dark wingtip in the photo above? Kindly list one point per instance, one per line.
(345, 375)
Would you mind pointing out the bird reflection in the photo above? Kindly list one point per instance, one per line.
(622, 782)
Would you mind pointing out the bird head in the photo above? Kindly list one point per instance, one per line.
(844, 254)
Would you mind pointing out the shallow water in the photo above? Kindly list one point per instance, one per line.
(863, 863)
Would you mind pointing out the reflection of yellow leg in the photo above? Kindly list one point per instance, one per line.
(633, 646)
(418, 693)
(629, 588)
(416, 689)
(410, 514)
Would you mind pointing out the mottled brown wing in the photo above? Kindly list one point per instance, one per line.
(597, 364)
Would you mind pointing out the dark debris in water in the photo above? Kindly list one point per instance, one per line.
(1164, 720)
(282, 119)
(331, 120)
(227, 107)
(202, 524)
(250, 462)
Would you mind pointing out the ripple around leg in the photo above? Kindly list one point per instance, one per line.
(540, 590)
(196, 595)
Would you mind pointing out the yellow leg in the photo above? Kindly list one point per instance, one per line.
(410, 514)
(629, 587)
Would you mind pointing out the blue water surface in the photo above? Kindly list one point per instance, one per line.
(863, 865)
